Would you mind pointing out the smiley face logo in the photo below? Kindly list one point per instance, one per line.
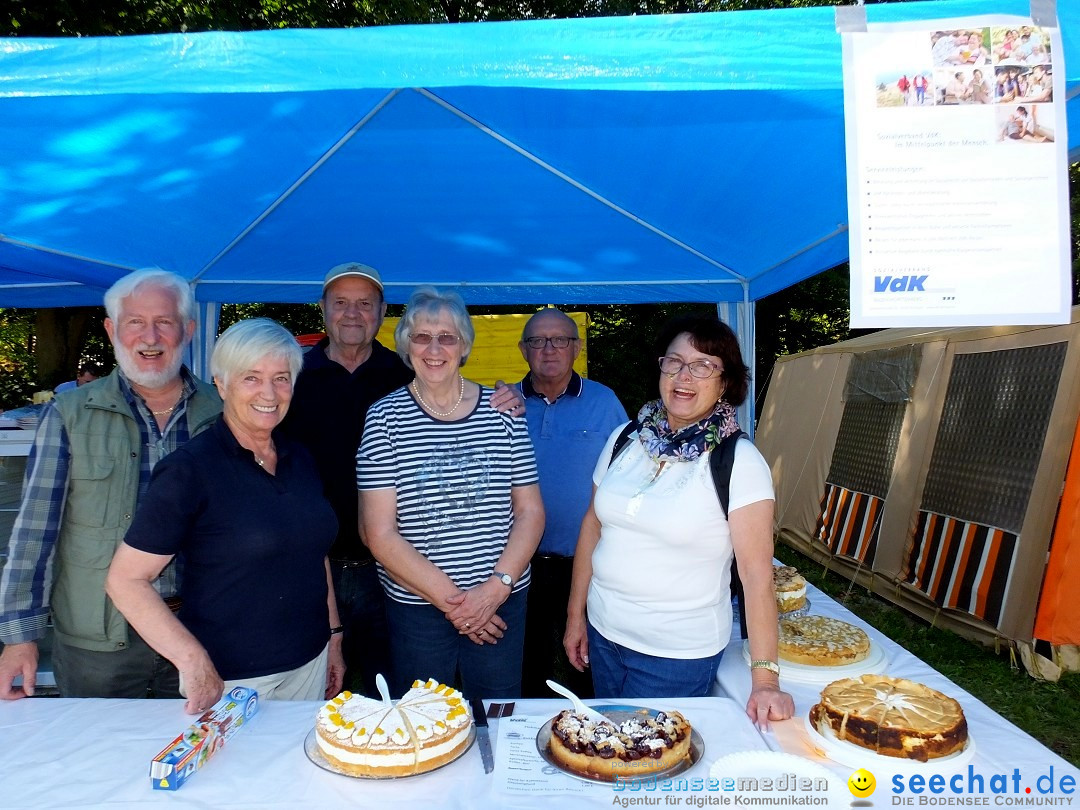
(861, 783)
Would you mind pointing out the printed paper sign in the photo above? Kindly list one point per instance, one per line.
(957, 174)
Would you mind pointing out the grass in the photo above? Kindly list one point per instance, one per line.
(1049, 712)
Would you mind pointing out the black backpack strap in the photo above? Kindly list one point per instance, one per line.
(624, 436)
(721, 462)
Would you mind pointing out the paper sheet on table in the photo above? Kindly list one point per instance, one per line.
(519, 768)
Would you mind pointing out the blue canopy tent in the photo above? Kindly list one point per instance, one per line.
(634, 159)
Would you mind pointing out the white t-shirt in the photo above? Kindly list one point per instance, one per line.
(662, 568)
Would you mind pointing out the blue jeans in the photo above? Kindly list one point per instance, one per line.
(366, 642)
(619, 672)
(423, 644)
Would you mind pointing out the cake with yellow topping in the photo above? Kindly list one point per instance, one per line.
(638, 746)
(894, 717)
(428, 727)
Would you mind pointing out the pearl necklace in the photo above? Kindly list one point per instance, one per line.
(461, 396)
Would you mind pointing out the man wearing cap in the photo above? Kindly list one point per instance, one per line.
(342, 376)
(570, 419)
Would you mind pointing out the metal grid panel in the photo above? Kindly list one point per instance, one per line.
(990, 439)
(866, 446)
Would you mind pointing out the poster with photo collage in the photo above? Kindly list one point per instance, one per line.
(957, 174)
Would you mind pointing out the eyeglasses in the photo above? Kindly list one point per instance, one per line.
(702, 369)
(559, 342)
(444, 338)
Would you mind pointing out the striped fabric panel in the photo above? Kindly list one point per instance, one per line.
(961, 565)
(848, 523)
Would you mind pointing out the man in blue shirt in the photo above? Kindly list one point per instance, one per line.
(569, 419)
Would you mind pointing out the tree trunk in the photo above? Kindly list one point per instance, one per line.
(60, 337)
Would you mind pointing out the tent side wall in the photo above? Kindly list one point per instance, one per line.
(961, 531)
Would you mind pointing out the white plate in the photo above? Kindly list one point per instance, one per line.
(619, 713)
(315, 754)
(874, 663)
(856, 756)
(776, 765)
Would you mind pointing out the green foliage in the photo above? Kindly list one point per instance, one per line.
(18, 369)
(44, 18)
(1074, 207)
(300, 319)
(809, 314)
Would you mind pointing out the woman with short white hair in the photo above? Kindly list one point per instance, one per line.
(451, 511)
(244, 509)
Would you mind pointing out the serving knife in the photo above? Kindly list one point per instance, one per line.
(483, 739)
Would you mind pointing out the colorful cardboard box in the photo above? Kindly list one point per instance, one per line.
(191, 750)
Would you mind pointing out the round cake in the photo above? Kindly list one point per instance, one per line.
(790, 588)
(428, 727)
(891, 716)
(635, 747)
(821, 641)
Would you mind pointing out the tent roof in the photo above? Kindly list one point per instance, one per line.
(633, 159)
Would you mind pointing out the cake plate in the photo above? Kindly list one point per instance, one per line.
(874, 663)
(848, 753)
(619, 713)
(315, 754)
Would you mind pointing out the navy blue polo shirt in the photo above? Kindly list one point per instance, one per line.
(251, 546)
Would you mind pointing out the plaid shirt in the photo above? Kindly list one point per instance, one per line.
(26, 579)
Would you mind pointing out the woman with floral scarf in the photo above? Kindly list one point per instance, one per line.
(650, 609)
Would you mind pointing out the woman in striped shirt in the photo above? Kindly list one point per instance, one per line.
(451, 510)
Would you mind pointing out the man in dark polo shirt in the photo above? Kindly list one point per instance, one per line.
(343, 375)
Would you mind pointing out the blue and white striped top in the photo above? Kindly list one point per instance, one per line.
(452, 480)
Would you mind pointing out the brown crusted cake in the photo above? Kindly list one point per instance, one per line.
(790, 588)
(891, 716)
(821, 641)
(638, 746)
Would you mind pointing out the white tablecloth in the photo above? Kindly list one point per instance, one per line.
(1000, 747)
(64, 753)
(96, 753)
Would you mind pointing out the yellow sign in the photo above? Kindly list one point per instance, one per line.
(495, 354)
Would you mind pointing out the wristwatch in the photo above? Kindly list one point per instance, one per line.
(505, 579)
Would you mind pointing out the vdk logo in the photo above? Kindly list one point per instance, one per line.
(899, 283)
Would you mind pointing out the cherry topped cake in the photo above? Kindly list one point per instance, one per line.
(642, 744)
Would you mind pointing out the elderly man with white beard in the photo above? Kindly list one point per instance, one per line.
(91, 461)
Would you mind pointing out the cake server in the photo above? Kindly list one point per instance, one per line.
(483, 739)
(384, 690)
(579, 707)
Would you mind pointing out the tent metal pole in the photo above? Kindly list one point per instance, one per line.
(739, 315)
(464, 116)
(314, 167)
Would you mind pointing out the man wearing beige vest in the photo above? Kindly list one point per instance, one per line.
(91, 460)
